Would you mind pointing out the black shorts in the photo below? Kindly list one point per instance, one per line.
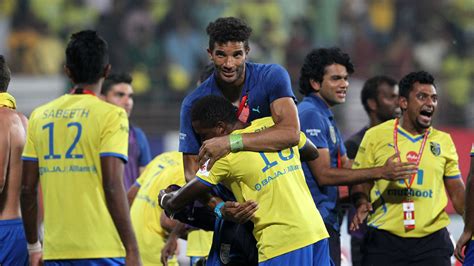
(383, 248)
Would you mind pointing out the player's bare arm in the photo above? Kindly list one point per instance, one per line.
(466, 235)
(29, 202)
(360, 198)
(327, 176)
(112, 171)
(284, 134)
(132, 193)
(456, 192)
(191, 166)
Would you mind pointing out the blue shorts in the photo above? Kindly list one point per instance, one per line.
(87, 262)
(13, 249)
(316, 254)
(469, 254)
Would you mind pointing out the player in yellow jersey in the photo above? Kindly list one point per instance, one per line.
(466, 237)
(76, 147)
(408, 222)
(163, 171)
(287, 226)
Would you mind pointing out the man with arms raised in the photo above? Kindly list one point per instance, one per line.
(258, 90)
(12, 139)
(76, 147)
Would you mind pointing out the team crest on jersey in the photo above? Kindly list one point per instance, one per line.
(332, 133)
(412, 156)
(435, 148)
(225, 253)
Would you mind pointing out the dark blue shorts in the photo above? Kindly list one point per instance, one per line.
(87, 262)
(316, 254)
(13, 249)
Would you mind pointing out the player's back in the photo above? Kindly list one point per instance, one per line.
(164, 170)
(67, 137)
(287, 218)
(13, 132)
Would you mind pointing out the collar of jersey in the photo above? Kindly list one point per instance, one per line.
(410, 137)
(321, 105)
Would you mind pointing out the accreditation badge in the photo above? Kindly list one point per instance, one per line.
(408, 214)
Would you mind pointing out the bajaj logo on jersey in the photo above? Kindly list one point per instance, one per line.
(412, 156)
(435, 148)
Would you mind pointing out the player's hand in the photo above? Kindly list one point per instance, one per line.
(361, 214)
(36, 258)
(459, 250)
(170, 249)
(212, 150)
(239, 212)
(395, 170)
(132, 259)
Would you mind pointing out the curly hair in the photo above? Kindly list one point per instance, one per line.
(406, 83)
(86, 57)
(227, 29)
(211, 109)
(370, 90)
(114, 79)
(315, 64)
(5, 74)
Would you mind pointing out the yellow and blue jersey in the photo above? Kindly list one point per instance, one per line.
(166, 169)
(472, 150)
(67, 137)
(439, 161)
(287, 218)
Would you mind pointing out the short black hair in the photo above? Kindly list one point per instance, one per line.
(86, 57)
(114, 79)
(370, 90)
(315, 64)
(5, 74)
(406, 83)
(228, 29)
(211, 109)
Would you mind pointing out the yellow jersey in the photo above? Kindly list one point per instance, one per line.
(287, 218)
(67, 137)
(439, 161)
(166, 169)
(199, 243)
(472, 150)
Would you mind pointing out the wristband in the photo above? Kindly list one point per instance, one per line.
(161, 201)
(217, 209)
(34, 248)
(236, 143)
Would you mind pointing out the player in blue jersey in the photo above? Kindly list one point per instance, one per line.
(257, 90)
(324, 81)
(117, 89)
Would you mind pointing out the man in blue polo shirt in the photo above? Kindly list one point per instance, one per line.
(324, 82)
(257, 90)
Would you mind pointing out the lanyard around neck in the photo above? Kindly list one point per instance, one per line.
(397, 151)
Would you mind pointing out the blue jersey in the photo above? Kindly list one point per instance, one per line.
(317, 122)
(263, 84)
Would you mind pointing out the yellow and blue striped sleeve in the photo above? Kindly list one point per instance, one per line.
(114, 136)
